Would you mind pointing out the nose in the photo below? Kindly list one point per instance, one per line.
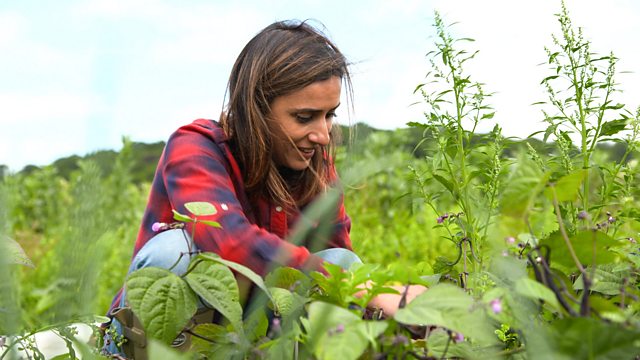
(320, 133)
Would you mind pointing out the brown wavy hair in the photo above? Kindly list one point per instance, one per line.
(284, 57)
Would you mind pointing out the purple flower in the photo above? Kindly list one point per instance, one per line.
(442, 218)
(583, 215)
(275, 324)
(157, 226)
(505, 253)
(510, 240)
(496, 306)
(458, 338)
(340, 328)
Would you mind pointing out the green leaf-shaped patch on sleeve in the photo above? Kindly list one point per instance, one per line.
(162, 301)
(217, 286)
(201, 208)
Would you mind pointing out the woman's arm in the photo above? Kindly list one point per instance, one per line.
(194, 168)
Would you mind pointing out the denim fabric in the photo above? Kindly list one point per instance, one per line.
(339, 256)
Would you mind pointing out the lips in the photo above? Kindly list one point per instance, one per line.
(307, 153)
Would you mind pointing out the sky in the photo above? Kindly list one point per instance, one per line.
(77, 76)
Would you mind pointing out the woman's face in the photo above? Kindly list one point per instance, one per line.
(301, 122)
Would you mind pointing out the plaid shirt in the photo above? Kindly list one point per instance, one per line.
(197, 165)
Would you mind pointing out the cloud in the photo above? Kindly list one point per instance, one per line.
(12, 27)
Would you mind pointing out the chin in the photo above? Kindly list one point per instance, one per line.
(298, 165)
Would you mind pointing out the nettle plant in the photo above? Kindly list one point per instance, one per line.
(546, 239)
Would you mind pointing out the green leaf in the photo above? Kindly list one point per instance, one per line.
(336, 333)
(201, 208)
(220, 343)
(582, 338)
(448, 306)
(158, 350)
(583, 245)
(13, 253)
(568, 186)
(162, 301)
(439, 341)
(445, 182)
(243, 270)
(288, 278)
(217, 286)
(608, 279)
(287, 302)
(525, 184)
(211, 223)
(613, 127)
(532, 289)
(180, 217)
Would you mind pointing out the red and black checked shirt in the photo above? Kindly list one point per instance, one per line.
(197, 165)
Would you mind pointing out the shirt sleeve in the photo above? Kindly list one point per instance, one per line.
(194, 168)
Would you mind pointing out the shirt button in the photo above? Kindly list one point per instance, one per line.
(278, 208)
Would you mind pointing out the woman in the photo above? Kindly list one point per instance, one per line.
(267, 158)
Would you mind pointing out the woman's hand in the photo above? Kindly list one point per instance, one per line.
(390, 303)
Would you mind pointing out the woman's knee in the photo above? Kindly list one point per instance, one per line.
(168, 250)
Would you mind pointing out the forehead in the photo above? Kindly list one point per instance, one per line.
(320, 95)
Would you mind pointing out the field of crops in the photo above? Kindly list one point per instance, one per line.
(528, 247)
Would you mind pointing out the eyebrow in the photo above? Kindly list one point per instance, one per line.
(312, 110)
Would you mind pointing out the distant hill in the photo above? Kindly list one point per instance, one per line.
(145, 156)
(145, 159)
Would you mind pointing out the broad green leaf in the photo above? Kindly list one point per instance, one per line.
(567, 187)
(336, 333)
(256, 325)
(13, 253)
(532, 289)
(288, 278)
(583, 245)
(525, 184)
(181, 217)
(608, 279)
(201, 208)
(439, 341)
(286, 301)
(220, 343)
(158, 350)
(217, 286)
(450, 307)
(162, 301)
(582, 338)
(243, 270)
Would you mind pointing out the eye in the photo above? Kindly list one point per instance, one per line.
(303, 118)
(332, 115)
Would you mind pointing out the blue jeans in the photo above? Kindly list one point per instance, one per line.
(172, 247)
